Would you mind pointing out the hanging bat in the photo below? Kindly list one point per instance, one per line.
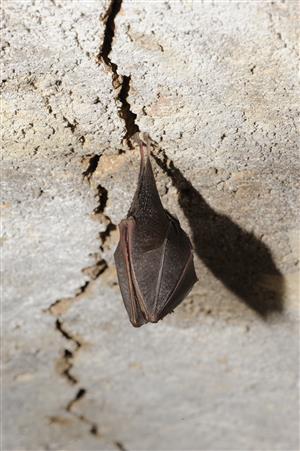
(154, 257)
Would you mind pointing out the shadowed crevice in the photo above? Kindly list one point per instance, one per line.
(121, 83)
(127, 115)
(108, 19)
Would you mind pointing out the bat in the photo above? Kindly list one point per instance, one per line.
(154, 258)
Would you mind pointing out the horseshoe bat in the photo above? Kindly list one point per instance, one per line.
(154, 257)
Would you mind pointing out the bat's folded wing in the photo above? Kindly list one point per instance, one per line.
(126, 280)
(177, 272)
(153, 283)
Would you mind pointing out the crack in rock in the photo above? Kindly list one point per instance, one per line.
(58, 308)
(120, 446)
(120, 83)
(65, 363)
(93, 161)
(62, 305)
(80, 394)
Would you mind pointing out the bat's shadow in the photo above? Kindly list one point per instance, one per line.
(236, 257)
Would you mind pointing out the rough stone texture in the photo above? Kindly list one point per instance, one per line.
(215, 86)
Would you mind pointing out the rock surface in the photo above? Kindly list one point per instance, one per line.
(215, 86)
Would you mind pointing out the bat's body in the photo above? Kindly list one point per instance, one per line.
(154, 257)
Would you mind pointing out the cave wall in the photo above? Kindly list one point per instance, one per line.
(214, 84)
